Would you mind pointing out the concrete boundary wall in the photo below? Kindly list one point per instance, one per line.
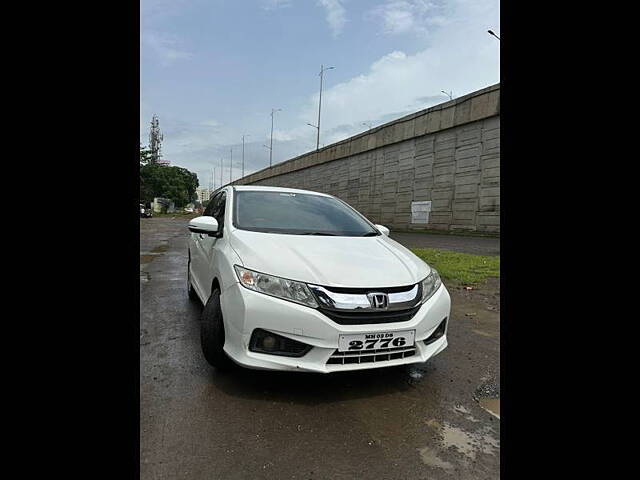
(448, 154)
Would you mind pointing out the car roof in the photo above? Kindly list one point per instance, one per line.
(260, 188)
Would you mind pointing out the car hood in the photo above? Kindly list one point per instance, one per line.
(363, 262)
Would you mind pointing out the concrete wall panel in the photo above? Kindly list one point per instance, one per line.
(448, 154)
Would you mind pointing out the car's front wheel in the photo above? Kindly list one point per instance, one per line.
(190, 290)
(212, 333)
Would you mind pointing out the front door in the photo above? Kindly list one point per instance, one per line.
(207, 245)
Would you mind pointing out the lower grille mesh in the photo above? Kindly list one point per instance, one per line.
(370, 356)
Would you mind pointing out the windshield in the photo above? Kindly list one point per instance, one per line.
(297, 213)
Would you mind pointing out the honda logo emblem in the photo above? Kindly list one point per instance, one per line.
(378, 300)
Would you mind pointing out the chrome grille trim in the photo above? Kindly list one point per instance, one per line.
(359, 302)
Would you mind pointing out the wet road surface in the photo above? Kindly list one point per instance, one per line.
(423, 421)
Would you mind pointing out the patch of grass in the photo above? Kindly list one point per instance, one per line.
(461, 268)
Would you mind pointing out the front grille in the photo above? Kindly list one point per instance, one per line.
(346, 317)
(352, 306)
(370, 356)
(360, 290)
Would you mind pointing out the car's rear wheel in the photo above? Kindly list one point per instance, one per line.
(212, 333)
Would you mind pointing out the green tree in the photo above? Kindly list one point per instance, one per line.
(145, 155)
(175, 183)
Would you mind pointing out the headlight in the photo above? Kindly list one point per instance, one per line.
(430, 285)
(291, 290)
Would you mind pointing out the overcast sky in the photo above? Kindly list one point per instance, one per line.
(212, 70)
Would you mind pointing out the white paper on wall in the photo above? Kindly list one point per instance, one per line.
(420, 211)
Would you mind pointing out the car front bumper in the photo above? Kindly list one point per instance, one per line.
(244, 310)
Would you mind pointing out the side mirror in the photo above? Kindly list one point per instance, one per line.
(204, 224)
(384, 230)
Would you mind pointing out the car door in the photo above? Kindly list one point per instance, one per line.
(208, 244)
(198, 258)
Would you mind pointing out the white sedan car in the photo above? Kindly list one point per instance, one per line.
(300, 281)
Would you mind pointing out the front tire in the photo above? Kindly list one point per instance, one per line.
(212, 333)
(190, 290)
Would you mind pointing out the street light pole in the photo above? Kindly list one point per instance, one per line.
(271, 144)
(243, 153)
(230, 164)
(450, 94)
(490, 32)
(314, 126)
(322, 69)
(221, 181)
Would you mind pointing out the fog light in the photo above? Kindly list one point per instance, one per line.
(437, 333)
(263, 341)
(269, 343)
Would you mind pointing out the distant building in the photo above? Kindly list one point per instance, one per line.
(203, 194)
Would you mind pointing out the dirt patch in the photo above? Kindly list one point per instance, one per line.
(486, 294)
(478, 312)
(144, 259)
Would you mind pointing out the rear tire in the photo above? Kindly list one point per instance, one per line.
(212, 333)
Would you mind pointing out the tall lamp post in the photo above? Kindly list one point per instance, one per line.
(322, 70)
(270, 147)
(230, 164)
(450, 94)
(490, 32)
(243, 153)
(316, 127)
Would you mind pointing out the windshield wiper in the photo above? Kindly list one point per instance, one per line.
(320, 233)
(370, 234)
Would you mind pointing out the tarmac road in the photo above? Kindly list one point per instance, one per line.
(475, 245)
(392, 423)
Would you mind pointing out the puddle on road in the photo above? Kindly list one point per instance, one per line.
(429, 457)
(469, 444)
(491, 405)
(148, 257)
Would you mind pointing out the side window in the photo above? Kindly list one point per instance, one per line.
(210, 206)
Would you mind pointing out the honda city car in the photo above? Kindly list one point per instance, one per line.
(298, 280)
